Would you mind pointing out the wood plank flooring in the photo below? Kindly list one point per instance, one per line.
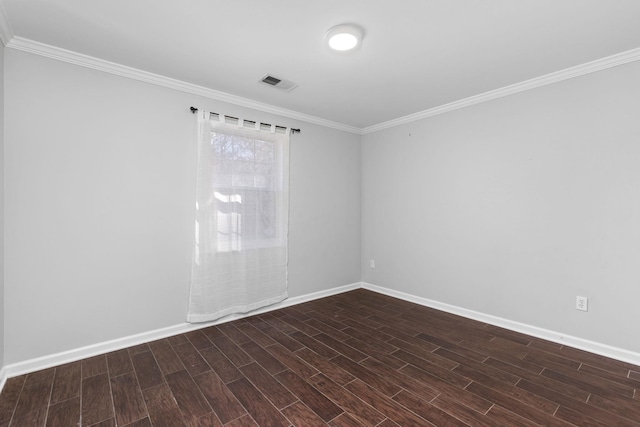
(354, 359)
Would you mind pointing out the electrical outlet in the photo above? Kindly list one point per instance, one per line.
(372, 263)
(582, 303)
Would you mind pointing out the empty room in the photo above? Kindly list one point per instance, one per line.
(335, 213)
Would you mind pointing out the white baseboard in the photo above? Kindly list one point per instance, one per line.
(48, 361)
(44, 362)
(557, 337)
(3, 377)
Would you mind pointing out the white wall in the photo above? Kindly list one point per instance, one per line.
(510, 208)
(514, 207)
(99, 195)
(2, 307)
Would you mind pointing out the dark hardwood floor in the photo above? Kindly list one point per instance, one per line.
(354, 359)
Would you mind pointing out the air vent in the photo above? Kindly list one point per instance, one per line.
(279, 83)
(270, 80)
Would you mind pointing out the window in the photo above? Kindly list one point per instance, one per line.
(247, 185)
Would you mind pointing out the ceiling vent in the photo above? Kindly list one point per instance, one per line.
(277, 82)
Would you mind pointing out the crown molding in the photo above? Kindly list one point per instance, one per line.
(558, 76)
(64, 55)
(26, 45)
(6, 33)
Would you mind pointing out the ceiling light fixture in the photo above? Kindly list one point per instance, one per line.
(344, 37)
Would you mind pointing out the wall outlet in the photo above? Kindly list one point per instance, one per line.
(582, 303)
(372, 263)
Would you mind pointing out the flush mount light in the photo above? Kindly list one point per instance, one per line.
(344, 37)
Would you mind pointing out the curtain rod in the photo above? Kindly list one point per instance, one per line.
(195, 110)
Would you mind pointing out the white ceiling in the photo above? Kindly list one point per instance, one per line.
(416, 54)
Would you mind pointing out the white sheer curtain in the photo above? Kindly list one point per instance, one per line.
(242, 217)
